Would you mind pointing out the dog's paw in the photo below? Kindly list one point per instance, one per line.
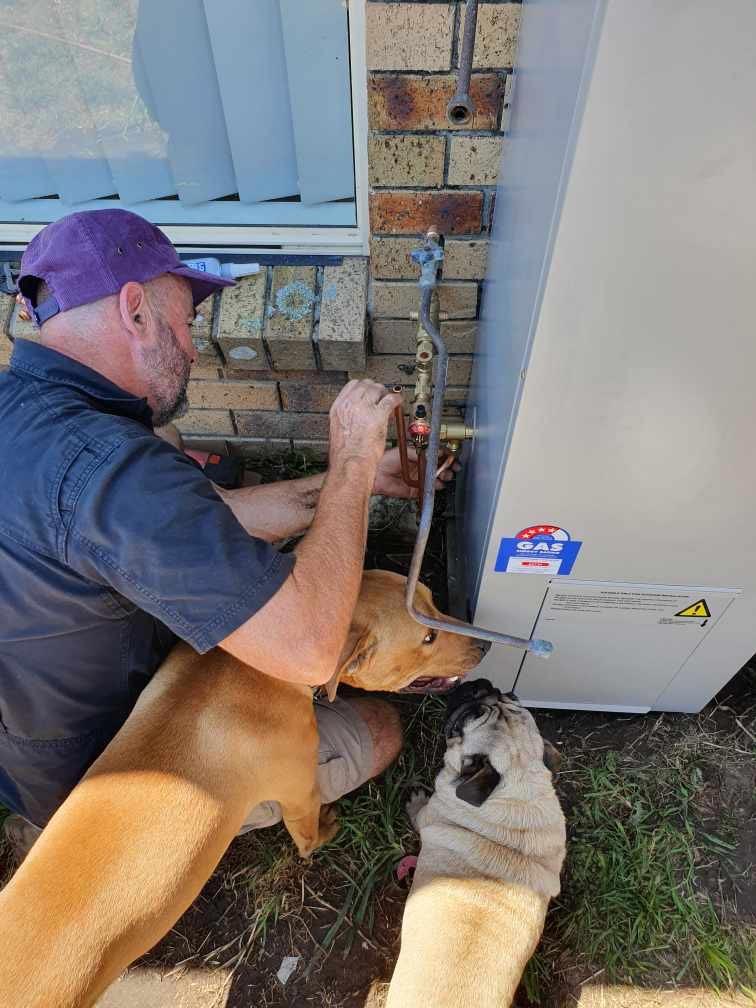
(418, 801)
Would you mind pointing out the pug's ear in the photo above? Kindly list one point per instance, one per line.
(477, 781)
(552, 758)
(358, 650)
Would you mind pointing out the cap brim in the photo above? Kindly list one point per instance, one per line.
(203, 284)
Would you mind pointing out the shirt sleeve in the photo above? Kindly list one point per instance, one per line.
(149, 524)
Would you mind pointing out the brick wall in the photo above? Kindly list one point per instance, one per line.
(275, 350)
(423, 171)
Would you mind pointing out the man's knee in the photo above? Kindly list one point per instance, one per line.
(383, 723)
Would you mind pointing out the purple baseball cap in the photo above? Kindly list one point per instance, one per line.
(87, 255)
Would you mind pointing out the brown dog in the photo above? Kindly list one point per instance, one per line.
(209, 738)
(493, 843)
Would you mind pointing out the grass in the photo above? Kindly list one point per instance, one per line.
(636, 904)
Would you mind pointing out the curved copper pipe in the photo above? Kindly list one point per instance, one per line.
(401, 437)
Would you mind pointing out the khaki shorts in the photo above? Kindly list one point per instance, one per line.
(345, 759)
(344, 762)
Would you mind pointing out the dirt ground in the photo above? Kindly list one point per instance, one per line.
(340, 915)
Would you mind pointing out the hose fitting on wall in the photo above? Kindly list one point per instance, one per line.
(461, 108)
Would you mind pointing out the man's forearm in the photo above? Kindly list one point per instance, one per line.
(331, 555)
(276, 511)
(314, 605)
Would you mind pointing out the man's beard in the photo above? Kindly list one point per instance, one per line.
(169, 369)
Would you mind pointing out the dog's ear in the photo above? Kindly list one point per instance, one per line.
(358, 650)
(477, 781)
(552, 758)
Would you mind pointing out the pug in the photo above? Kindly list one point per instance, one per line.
(493, 843)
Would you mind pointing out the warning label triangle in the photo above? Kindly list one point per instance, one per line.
(698, 610)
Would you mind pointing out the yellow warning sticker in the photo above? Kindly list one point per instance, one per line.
(697, 610)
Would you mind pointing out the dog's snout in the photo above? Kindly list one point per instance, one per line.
(484, 646)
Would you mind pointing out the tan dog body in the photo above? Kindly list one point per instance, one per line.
(136, 840)
(484, 875)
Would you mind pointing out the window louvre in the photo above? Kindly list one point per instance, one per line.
(187, 111)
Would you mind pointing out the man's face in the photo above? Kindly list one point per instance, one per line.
(169, 354)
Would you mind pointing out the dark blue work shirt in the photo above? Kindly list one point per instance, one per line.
(112, 544)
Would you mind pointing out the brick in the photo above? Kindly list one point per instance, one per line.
(206, 421)
(208, 354)
(465, 260)
(341, 333)
(413, 212)
(202, 327)
(390, 258)
(233, 395)
(406, 160)
(389, 369)
(240, 323)
(20, 328)
(474, 160)
(7, 308)
(496, 34)
(259, 448)
(398, 299)
(395, 336)
(310, 377)
(288, 328)
(206, 371)
(281, 425)
(409, 36)
(6, 349)
(309, 398)
(409, 102)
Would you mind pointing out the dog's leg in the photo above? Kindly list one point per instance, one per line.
(417, 802)
(309, 823)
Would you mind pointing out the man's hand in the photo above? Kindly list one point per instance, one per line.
(389, 482)
(359, 421)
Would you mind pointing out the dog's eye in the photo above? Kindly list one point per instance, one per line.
(430, 637)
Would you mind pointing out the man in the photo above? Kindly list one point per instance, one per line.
(113, 543)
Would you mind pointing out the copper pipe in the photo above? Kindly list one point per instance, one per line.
(401, 438)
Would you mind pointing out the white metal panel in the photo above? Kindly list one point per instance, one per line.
(635, 427)
(174, 45)
(249, 60)
(635, 637)
(316, 42)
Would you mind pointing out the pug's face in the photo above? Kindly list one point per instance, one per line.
(495, 752)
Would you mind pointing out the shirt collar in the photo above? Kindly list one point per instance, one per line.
(51, 366)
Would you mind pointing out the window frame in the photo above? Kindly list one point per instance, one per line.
(272, 239)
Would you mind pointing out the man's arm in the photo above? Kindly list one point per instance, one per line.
(276, 511)
(298, 635)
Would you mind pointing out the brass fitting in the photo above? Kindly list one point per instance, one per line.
(454, 431)
(424, 361)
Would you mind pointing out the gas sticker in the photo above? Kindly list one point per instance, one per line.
(538, 549)
(698, 610)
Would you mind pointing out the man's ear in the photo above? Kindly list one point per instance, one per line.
(133, 308)
(358, 650)
(478, 781)
(552, 758)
